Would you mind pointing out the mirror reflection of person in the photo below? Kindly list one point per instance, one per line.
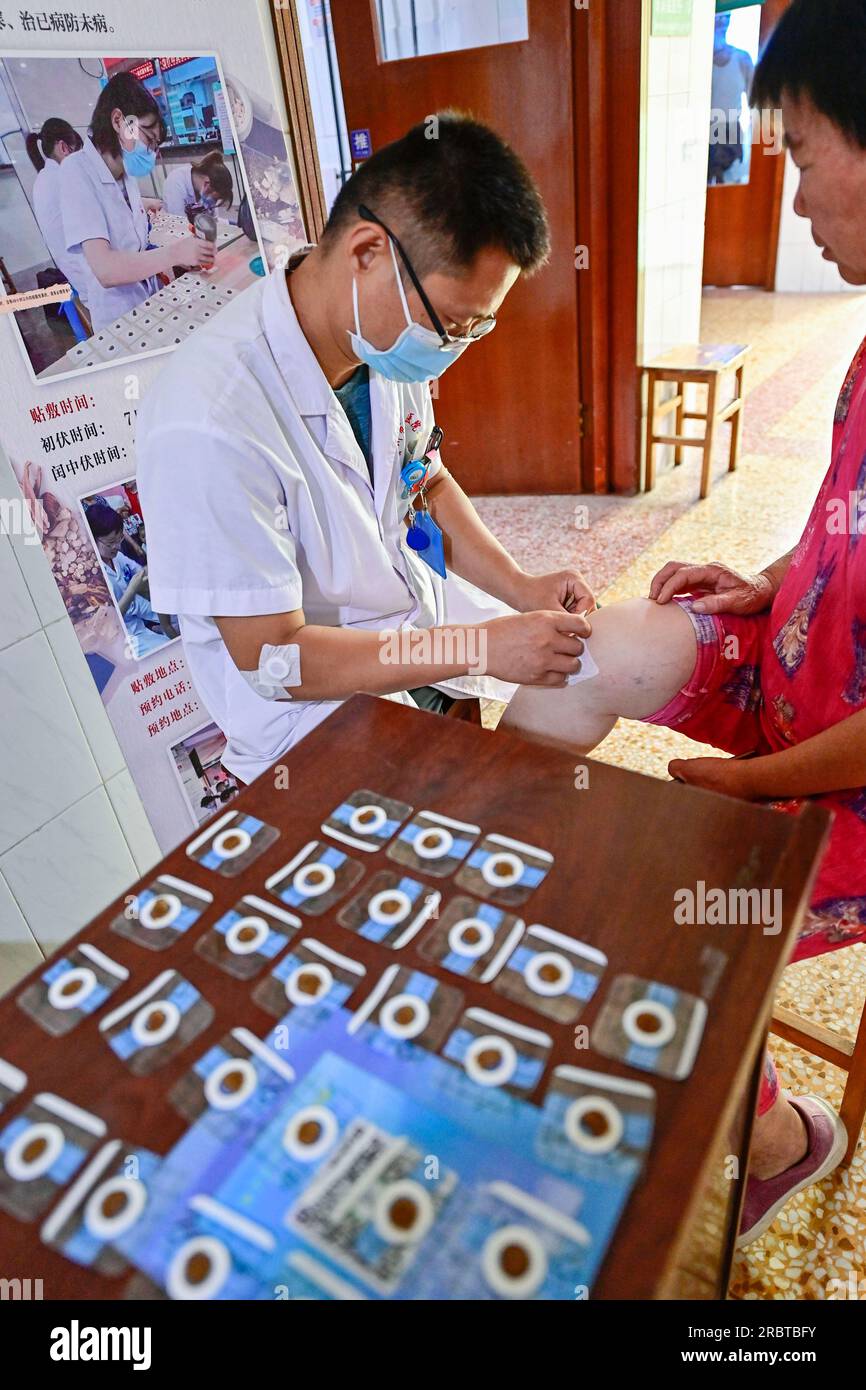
(104, 215)
(127, 579)
(730, 137)
(47, 148)
(206, 181)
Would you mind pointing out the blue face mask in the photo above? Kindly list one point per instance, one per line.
(416, 355)
(138, 163)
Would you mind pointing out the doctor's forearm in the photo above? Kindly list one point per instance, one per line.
(471, 550)
(113, 268)
(338, 662)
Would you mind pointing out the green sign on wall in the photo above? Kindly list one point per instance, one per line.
(672, 18)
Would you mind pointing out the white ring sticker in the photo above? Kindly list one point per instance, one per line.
(404, 1212)
(648, 1037)
(181, 1281)
(240, 943)
(166, 1026)
(310, 1133)
(496, 1075)
(105, 1225)
(246, 1080)
(514, 1262)
(390, 906)
(502, 870)
(83, 980)
(548, 973)
(367, 820)
(280, 664)
(231, 843)
(471, 938)
(410, 1027)
(160, 911)
(581, 1136)
(433, 842)
(312, 880)
(311, 970)
(50, 1141)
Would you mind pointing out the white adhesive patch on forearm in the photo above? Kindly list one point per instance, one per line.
(279, 667)
(588, 669)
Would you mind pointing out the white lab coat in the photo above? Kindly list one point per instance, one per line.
(257, 500)
(49, 216)
(178, 190)
(139, 612)
(94, 207)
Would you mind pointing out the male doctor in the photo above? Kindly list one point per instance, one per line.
(272, 457)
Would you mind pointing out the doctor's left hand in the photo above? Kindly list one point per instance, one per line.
(564, 589)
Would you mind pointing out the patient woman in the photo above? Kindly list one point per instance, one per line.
(773, 664)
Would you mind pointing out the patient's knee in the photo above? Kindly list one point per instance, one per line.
(645, 653)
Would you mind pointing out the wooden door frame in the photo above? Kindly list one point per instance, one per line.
(773, 11)
(763, 272)
(607, 52)
(301, 130)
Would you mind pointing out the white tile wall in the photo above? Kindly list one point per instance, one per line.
(673, 192)
(18, 616)
(676, 117)
(65, 873)
(47, 764)
(800, 267)
(73, 833)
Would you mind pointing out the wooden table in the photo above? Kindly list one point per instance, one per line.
(623, 846)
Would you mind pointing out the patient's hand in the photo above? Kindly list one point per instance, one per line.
(723, 590)
(547, 592)
(729, 776)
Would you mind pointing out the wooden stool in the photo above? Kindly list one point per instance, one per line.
(703, 364)
(842, 1052)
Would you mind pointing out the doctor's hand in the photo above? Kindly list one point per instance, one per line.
(137, 583)
(191, 251)
(534, 648)
(566, 589)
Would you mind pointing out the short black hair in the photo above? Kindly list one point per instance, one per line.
(818, 51)
(125, 93)
(102, 519)
(450, 188)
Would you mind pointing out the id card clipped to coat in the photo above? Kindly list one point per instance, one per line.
(423, 536)
(427, 541)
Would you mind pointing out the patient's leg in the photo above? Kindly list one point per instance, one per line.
(645, 653)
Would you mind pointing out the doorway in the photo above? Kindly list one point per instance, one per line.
(746, 167)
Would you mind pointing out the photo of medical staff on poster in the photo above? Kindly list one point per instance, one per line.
(208, 136)
(148, 238)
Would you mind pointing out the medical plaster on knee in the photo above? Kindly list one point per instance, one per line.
(588, 668)
(279, 667)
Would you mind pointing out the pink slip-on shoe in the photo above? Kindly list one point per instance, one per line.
(765, 1197)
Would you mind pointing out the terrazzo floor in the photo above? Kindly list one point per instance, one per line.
(801, 348)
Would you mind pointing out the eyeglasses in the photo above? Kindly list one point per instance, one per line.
(135, 129)
(479, 328)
